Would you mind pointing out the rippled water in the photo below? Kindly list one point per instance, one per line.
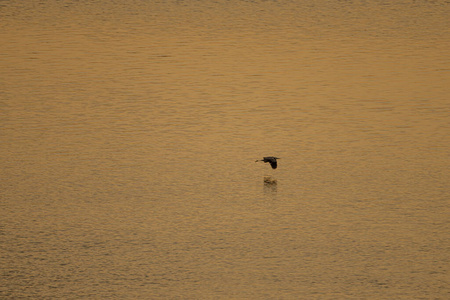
(129, 132)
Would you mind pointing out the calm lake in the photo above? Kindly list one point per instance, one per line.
(129, 132)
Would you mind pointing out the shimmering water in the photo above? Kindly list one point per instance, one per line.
(129, 132)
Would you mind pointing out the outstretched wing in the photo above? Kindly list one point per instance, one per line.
(273, 164)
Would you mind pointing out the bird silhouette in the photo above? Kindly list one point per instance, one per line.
(270, 159)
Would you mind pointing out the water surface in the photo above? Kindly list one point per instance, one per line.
(130, 130)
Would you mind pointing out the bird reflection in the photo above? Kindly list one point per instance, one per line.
(269, 180)
(270, 184)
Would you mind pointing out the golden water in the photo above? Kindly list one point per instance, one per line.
(129, 132)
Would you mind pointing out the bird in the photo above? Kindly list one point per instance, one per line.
(270, 159)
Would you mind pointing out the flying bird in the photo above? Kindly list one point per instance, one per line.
(270, 159)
